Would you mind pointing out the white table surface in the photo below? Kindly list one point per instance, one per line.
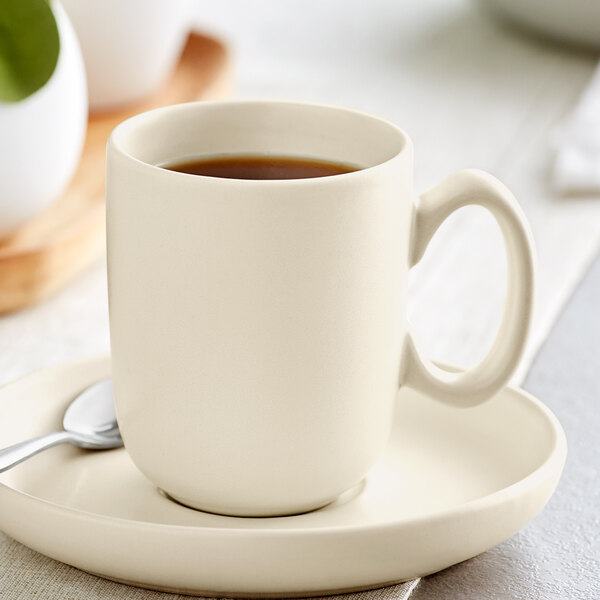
(470, 92)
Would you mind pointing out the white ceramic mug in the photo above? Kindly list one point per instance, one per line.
(258, 327)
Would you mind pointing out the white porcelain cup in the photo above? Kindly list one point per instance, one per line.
(129, 46)
(258, 328)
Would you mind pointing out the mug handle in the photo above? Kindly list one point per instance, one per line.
(469, 388)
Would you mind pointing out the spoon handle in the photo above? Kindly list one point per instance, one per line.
(13, 455)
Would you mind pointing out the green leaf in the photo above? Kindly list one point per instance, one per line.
(29, 47)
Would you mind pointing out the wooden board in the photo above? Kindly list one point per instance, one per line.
(45, 254)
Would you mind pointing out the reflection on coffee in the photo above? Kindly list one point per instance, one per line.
(260, 167)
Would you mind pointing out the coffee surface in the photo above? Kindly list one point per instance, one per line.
(260, 167)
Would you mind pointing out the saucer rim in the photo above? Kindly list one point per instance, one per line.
(549, 469)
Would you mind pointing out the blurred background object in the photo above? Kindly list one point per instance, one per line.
(42, 129)
(577, 165)
(575, 21)
(577, 141)
(47, 250)
(129, 46)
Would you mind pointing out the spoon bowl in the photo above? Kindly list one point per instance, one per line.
(89, 422)
(91, 418)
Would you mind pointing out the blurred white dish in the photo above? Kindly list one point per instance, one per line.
(450, 484)
(576, 21)
(41, 137)
(129, 47)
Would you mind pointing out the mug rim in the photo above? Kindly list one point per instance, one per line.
(116, 143)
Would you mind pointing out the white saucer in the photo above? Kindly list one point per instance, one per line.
(451, 484)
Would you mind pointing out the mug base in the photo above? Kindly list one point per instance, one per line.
(237, 511)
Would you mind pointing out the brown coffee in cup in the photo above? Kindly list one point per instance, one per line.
(259, 167)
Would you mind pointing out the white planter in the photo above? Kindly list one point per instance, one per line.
(129, 46)
(41, 137)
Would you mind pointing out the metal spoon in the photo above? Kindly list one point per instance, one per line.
(89, 422)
